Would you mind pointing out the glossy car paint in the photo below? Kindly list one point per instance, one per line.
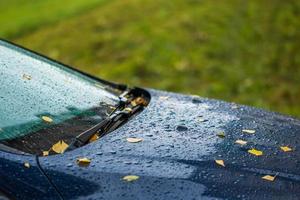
(176, 159)
(24, 182)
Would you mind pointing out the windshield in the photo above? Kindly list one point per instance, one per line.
(42, 102)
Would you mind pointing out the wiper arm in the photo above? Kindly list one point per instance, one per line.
(113, 121)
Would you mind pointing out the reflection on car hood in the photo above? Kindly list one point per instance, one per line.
(176, 159)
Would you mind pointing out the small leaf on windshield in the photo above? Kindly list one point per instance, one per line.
(248, 131)
(220, 162)
(241, 142)
(26, 77)
(255, 152)
(27, 165)
(47, 119)
(285, 148)
(83, 162)
(134, 140)
(130, 178)
(60, 146)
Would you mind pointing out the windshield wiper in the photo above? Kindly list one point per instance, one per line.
(119, 116)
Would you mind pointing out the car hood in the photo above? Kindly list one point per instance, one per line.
(183, 136)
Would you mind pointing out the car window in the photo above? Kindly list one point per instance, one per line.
(42, 102)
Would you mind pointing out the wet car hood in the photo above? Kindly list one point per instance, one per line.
(176, 159)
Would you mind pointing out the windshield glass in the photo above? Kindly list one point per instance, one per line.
(42, 102)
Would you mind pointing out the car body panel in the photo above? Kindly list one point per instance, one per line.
(176, 159)
(24, 182)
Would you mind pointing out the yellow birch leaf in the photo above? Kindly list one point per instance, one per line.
(255, 152)
(220, 162)
(128, 109)
(83, 162)
(27, 165)
(221, 134)
(241, 142)
(60, 146)
(93, 138)
(130, 178)
(99, 86)
(47, 119)
(285, 148)
(248, 131)
(200, 119)
(26, 77)
(269, 177)
(134, 140)
(163, 97)
(45, 153)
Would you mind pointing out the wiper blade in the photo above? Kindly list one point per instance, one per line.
(119, 116)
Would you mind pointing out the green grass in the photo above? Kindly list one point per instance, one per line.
(22, 16)
(242, 51)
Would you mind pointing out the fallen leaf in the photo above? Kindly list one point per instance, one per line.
(285, 148)
(27, 165)
(134, 140)
(99, 86)
(45, 153)
(241, 142)
(83, 162)
(248, 131)
(269, 177)
(128, 109)
(220, 162)
(255, 152)
(139, 101)
(163, 97)
(26, 77)
(221, 134)
(234, 106)
(60, 146)
(130, 178)
(200, 119)
(94, 138)
(47, 119)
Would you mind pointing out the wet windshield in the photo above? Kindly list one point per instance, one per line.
(42, 102)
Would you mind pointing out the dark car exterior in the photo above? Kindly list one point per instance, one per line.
(182, 137)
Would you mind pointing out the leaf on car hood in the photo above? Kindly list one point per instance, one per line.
(163, 97)
(248, 131)
(83, 162)
(200, 119)
(27, 165)
(255, 152)
(221, 134)
(241, 142)
(285, 148)
(134, 140)
(45, 153)
(220, 162)
(269, 177)
(47, 119)
(130, 178)
(60, 146)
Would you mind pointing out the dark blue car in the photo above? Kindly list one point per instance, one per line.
(67, 135)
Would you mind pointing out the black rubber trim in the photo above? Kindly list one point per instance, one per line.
(48, 178)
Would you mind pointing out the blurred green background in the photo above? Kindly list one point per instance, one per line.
(236, 50)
